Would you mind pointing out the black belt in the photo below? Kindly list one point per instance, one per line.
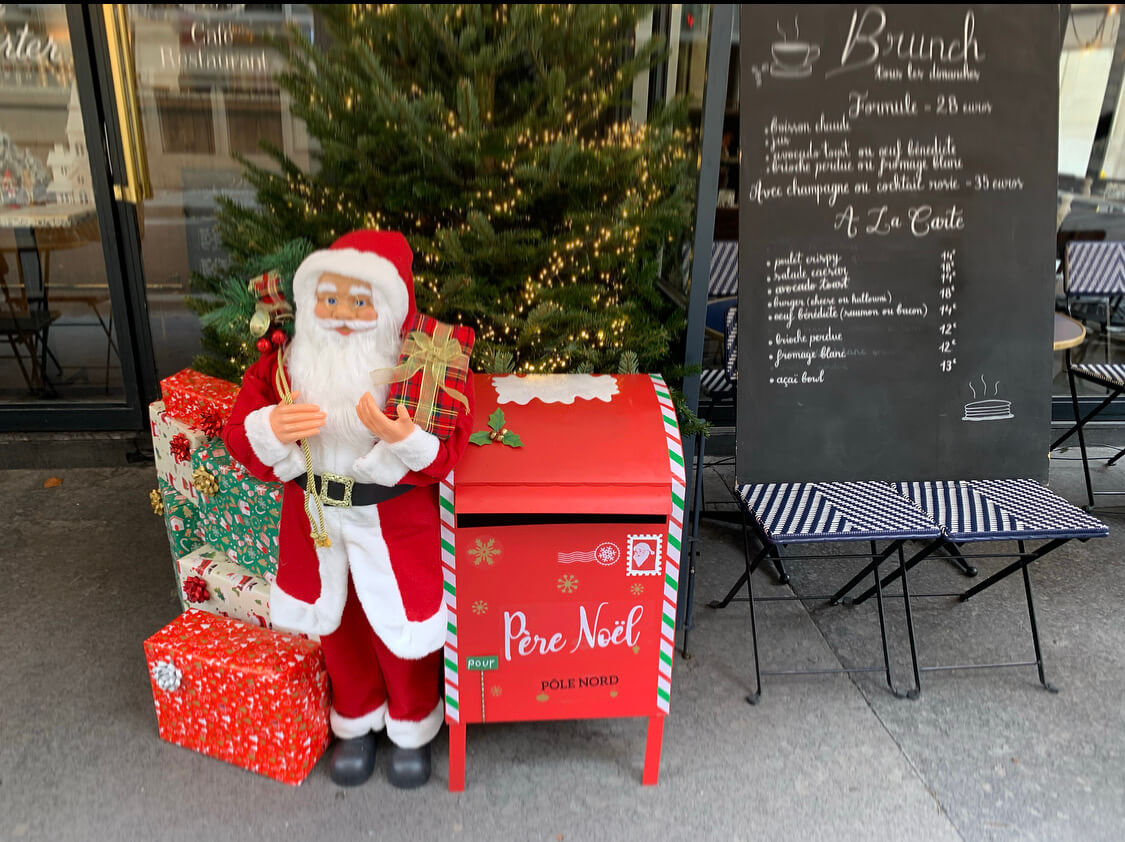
(337, 490)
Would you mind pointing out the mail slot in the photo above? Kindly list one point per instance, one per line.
(561, 556)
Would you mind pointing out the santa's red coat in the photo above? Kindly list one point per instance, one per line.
(397, 573)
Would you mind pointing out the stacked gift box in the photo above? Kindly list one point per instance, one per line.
(223, 681)
(211, 504)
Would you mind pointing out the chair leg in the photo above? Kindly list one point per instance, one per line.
(890, 577)
(1081, 436)
(903, 567)
(19, 361)
(693, 542)
(726, 600)
(882, 622)
(1113, 461)
(756, 696)
(779, 567)
(959, 561)
(1034, 625)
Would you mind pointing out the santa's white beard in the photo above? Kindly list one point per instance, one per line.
(333, 371)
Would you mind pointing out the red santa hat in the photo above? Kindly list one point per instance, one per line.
(381, 258)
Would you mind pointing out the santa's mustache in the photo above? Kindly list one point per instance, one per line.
(353, 324)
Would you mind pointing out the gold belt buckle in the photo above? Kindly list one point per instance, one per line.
(347, 482)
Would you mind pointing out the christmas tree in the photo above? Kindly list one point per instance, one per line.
(498, 139)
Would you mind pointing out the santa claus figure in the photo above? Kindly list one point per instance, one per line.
(374, 594)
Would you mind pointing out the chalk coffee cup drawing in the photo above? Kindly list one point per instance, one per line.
(793, 59)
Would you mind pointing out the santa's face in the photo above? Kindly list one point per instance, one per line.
(344, 304)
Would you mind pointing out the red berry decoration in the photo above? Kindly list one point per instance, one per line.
(195, 589)
(263, 345)
(278, 337)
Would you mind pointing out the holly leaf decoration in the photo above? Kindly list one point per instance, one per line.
(499, 433)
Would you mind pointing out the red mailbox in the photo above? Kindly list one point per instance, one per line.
(561, 556)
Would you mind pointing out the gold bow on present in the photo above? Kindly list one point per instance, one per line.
(436, 357)
(204, 482)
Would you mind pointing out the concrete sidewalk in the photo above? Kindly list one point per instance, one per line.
(980, 756)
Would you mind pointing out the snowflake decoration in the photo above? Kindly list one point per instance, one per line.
(568, 584)
(496, 690)
(637, 589)
(480, 607)
(607, 554)
(485, 552)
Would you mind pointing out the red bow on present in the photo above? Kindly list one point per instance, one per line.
(211, 424)
(181, 447)
(195, 589)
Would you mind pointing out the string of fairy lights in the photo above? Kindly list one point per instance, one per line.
(581, 254)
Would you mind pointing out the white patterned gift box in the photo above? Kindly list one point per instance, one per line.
(173, 442)
(210, 581)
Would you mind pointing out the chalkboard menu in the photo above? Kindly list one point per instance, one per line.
(896, 241)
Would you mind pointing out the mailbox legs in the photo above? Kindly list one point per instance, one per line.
(457, 756)
(652, 750)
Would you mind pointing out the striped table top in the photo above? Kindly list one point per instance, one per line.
(1007, 509)
(806, 512)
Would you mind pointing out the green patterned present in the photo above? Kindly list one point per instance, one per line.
(240, 515)
(182, 523)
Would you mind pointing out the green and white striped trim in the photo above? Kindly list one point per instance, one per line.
(449, 574)
(672, 545)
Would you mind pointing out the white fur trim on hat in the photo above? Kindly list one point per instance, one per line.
(380, 466)
(387, 286)
(348, 727)
(286, 460)
(406, 734)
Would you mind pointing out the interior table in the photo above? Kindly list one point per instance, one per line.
(1069, 333)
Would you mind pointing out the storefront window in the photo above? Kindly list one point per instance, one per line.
(57, 337)
(1092, 171)
(207, 93)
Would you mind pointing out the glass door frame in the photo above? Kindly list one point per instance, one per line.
(88, 28)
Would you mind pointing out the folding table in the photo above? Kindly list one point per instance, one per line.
(977, 511)
(784, 514)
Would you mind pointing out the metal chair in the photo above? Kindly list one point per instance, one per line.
(1093, 270)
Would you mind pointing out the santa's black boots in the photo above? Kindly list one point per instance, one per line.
(353, 760)
(410, 767)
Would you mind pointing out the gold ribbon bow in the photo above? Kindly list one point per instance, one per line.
(205, 482)
(435, 356)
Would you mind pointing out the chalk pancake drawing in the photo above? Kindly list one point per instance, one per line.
(793, 58)
(985, 408)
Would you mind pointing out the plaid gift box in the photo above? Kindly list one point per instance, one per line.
(242, 517)
(210, 581)
(183, 525)
(199, 400)
(250, 696)
(173, 444)
(431, 376)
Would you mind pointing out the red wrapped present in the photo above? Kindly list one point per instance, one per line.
(197, 399)
(247, 695)
(431, 374)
